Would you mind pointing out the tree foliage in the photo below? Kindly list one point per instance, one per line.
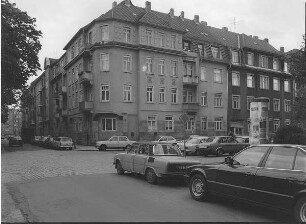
(290, 135)
(20, 46)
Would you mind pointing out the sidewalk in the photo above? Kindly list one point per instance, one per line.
(85, 148)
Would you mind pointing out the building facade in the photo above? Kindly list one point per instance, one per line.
(134, 71)
(13, 124)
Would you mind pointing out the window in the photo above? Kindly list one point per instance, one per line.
(149, 65)
(188, 69)
(203, 123)
(250, 59)
(218, 123)
(104, 62)
(149, 94)
(218, 75)
(90, 37)
(285, 67)
(281, 158)
(186, 45)
(204, 99)
(250, 81)
(109, 124)
(169, 123)
(216, 52)
(173, 41)
(201, 49)
(276, 104)
(174, 95)
(161, 39)
(251, 156)
(236, 102)
(263, 61)
(162, 66)
(249, 101)
(104, 33)
(203, 73)
(218, 100)
(235, 79)
(187, 96)
(287, 105)
(162, 93)
(287, 122)
(105, 94)
(190, 124)
(152, 123)
(276, 84)
(276, 124)
(127, 93)
(300, 161)
(286, 85)
(127, 63)
(264, 82)
(235, 57)
(275, 64)
(149, 36)
(127, 34)
(174, 68)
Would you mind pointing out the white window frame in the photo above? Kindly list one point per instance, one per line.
(161, 66)
(152, 123)
(263, 61)
(203, 123)
(250, 80)
(104, 33)
(235, 79)
(275, 64)
(276, 104)
(174, 68)
(174, 95)
(173, 41)
(169, 123)
(104, 62)
(127, 34)
(161, 39)
(113, 122)
(250, 59)
(150, 94)
(218, 75)
(127, 93)
(187, 96)
(287, 85)
(218, 100)
(276, 124)
(264, 82)
(203, 76)
(189, 69)
(149, 65)
(276, 84)
(235, 57)
(201, 49)
(149, 36)
(105, 88)
(236, 102)
(287, 105)
(204, 99)
(127, 63)
(214, 51)
(190, 124)
(218, 123)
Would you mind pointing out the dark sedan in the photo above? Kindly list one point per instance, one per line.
(15, 140)
(273, 176)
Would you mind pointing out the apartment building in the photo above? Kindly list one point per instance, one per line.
(13, 124)
(133, 71)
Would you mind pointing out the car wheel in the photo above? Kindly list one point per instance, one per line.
(102, 148)
(300, 210)
(198, 188)
(219, 152)
(151, 176)
(119, 168)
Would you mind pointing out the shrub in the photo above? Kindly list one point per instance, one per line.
(290, 135)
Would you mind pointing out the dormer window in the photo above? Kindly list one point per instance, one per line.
(275, 64)
(250, 59)
(216, 52)
(186, 45)
(201, 49)
(235, 57)
(263, 61)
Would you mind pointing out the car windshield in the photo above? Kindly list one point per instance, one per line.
(66, 139)
(161, 150)
(211, 139)
(194, 141)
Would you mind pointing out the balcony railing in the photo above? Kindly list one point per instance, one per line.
(85, 106)
(85, 77)
(191, 80)
(191, 106)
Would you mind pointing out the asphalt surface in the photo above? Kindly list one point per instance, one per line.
(40, 185)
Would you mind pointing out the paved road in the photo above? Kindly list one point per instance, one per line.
(81, 185)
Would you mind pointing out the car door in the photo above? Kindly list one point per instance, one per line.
(141, 158)
(122, 141)
(238, 179)
(283, 174)
(128, 158)
(113, 142)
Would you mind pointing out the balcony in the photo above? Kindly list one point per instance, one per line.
(191, 107)
(85, 106)
(85, 77)
(190, 80)
(64, 90)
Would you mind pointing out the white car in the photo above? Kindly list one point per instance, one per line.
(166, 139)
(192, 144)
(62, 143)
(115, 142)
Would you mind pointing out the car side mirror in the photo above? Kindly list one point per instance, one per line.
(229, 161)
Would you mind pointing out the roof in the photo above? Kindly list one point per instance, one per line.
(257, 44)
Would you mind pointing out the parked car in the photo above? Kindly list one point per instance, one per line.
(269, 175)
(154, 160)
(166, 139)
(63, 143)
(35, 140)
(218, 145)
(192, 144)
(42, 140)
(242, 139)
(49, 143)
(115, 142)
(15, 140)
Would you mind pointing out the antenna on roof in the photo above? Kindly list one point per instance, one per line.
(234, 23)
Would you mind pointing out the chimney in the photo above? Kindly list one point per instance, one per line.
(148, 6)
(225, 28)
(204, 23)
(128, 3)
(114, 4)
(196, 19)
(182, 15)
(267, 40)
(172, 12)
(282, 49)
(256, 37)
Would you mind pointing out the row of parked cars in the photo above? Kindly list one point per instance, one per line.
(53, 142)
(272, 176)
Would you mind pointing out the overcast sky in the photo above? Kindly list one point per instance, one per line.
(281, 21)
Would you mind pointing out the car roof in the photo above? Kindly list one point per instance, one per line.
(152, 143)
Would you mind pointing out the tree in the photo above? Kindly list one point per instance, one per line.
(289, 135)
(20, 46)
